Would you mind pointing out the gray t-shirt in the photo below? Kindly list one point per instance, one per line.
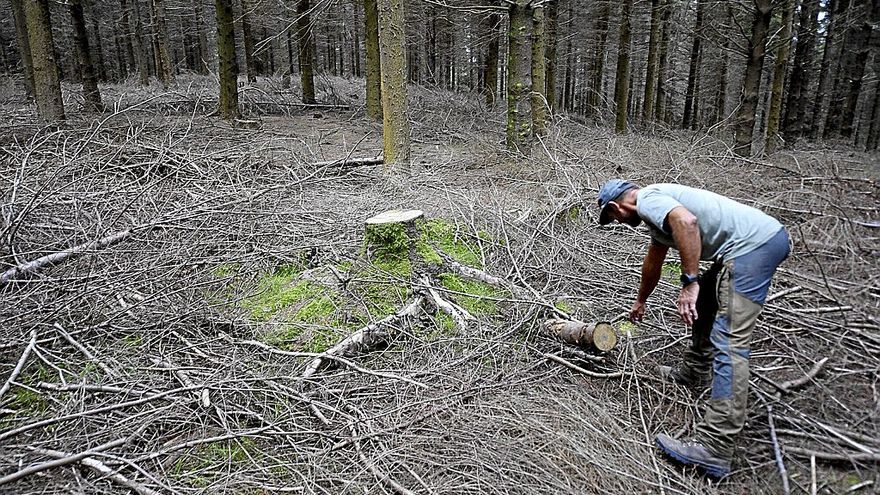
(727, 229)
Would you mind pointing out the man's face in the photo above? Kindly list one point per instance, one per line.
(623, 215)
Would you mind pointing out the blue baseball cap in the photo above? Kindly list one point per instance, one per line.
(608, 193)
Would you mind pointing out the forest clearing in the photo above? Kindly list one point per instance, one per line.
(200, 300)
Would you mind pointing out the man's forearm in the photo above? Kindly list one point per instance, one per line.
(652, 268)
(686, 234)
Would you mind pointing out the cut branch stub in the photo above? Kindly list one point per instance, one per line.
(597, 336)
(393, 234)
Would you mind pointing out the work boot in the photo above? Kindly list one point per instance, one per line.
(681, 376)
(694, 454)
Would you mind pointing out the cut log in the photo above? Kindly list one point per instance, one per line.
(598, 336)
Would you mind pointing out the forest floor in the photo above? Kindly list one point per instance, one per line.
(175, 357)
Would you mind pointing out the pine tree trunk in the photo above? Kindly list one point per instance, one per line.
(752, 82)
(140, 48)
(492, 25)
(127, 35)
(47, 85)
(539, 74)
(836, 8)
(779, 69)
(841, 113)
(228, 66)
(305, 51)
(598, 65)
(373, 66)
(874, 129)
(356, 46)
(24, 45)
(653, 54)
(100, 67)
(621, 84)
(203, 65)
(551, 27)
(91, 93)
(694, 67)
(247, 34)
(285, 81)
(519, 81)
(721, 95)
(395, 116)
(163, 59)
(660, 100)
(799, 84)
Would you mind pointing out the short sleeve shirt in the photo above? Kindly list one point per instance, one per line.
(728, 229)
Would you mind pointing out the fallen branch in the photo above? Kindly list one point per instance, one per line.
(83, 349)
(61, 459)
(105, 471)
(365, 338)
(351, 162)
(203, 395)
(827, 456)
(777, 452)
(790, 385)
(55, 258)
(570, 365)
(21, 361)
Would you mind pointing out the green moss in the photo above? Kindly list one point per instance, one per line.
(562, 306)
(389, 241)
(475, 303)
(28, 402)
(278, 292)
(443, 235)
(133, 340)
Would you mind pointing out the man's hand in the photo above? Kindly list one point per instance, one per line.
(637, 312)
(687, 303)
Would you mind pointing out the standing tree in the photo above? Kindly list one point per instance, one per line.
(205, 60)
(491, 26)
(653, 52)
(395, 118)
(539, 72)
(305, 51)
(689, 117)
(250, 63)
(721, 95)
(550, 26)
(47, 85)
(779, 67)
(836, 10)
(660, 100)
(87, 69)
(139, 46)
(163, 59)
(24, 46)
(519, 79)
(752, 81)
(374, 70)
(228, 66)
(842, 110)
(594, 97)
(796, 104)
(621, 84)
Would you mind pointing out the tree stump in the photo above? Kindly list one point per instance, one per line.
(598, 336)
(394, 235)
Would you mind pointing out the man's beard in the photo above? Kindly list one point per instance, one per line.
(634, 221)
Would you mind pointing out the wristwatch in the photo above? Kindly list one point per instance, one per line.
(687, 279)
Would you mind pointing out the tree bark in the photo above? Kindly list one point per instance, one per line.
(100, 67)
(24, 46)
(621, 85)
(779, 67)
(653, 53)
(519, 81)
(752, 80)
(551, 16)
(721, 95)
(139, 46)
(163, 60)
(660, 102)
(127, 35)
(694, 68)
(305, 51)
(598, 65)
(228, 66)
(47, 85)
(492, 26)
(842, 111)
(91, 92)
(247, 34)
(836, 9)
(539, 72)
(373, 65)
(795, 114)
(206, 61)
(395, 117)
